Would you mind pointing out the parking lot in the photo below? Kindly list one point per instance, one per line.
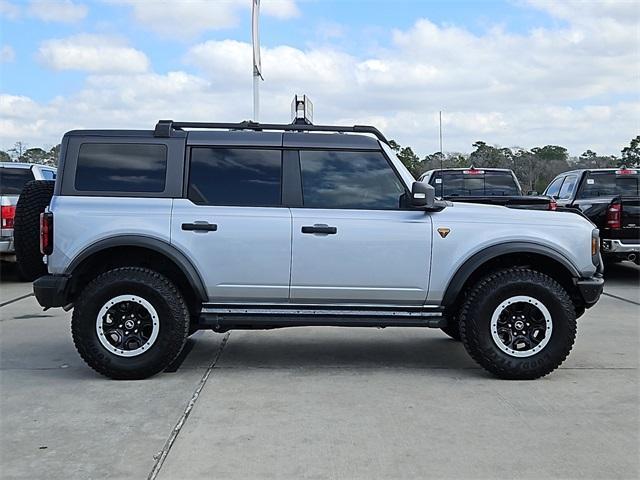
(320, 403)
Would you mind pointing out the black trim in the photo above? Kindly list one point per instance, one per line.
(474, 262)
(233, 321)
(590, 289)
(291, 179)
(160, 246)
(52, 290)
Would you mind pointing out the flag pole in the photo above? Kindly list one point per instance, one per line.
(257, 67)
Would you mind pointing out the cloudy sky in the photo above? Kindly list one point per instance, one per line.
(511, 73)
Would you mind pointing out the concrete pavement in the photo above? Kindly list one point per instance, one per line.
(321, 403)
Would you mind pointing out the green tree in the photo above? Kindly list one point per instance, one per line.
(631, 154)
(4, 156)
(591, 159)
(34, 155)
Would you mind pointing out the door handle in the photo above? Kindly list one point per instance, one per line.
(326, 229)
(200, 227)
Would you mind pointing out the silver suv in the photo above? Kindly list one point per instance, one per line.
(234, 226)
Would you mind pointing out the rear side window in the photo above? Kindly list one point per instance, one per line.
(568, 186)
(554, 189)
(235, 177)
(352, 180)
(121, 167)
(608, 184)
(12, 180)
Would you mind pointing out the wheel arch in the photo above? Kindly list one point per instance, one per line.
(538, 257)
(138, 250)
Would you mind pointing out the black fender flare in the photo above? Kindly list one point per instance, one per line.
(478, 259)
(155, 244)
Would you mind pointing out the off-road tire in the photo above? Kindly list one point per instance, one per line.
(453, 327)
(35, 197)
(492, 290)
(153, 287)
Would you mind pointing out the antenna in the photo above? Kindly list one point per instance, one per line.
(441, 153)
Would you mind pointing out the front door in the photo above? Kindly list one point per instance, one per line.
(353, 242)
(232, 225)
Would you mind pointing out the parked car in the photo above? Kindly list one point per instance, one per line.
(609, 197)
(493, 186)
(232, 226)
(13, 177)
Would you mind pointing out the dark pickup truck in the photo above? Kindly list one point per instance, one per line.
(493, 186)
(609, 197)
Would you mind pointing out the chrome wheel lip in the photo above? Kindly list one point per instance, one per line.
(521, 299)
(155, 322)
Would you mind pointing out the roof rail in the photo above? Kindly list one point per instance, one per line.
(165, 127)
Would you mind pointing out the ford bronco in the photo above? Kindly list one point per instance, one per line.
(152, 235)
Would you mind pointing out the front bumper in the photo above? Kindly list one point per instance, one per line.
(590, 289)
(52, 290)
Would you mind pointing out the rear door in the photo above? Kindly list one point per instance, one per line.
(233, 226)
(353, 242)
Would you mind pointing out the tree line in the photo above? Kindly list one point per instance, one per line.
(535, 168)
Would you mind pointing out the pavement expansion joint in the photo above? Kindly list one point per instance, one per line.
(162, 455)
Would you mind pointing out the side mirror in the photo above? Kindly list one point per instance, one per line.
(423, 195)
(532, 192)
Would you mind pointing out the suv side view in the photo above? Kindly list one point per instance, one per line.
(228, 226)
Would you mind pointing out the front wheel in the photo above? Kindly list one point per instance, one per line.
(130, 323)
(518, 324)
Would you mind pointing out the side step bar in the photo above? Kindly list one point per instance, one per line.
(226, 318)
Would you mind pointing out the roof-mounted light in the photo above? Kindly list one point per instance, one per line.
(301, 110)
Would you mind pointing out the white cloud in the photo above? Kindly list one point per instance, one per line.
(187, 19)
(574, 85)
(92, 53)
(9, 10)
(7, 54)
(57, 10)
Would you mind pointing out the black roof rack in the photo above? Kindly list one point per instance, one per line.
(165, 127)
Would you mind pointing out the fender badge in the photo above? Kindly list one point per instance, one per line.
(443, 232)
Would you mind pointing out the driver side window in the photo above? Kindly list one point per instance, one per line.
(349, 180)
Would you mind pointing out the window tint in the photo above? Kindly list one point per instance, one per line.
(460, 184)
(12, 180)
(567, 186)
(48, 174)
(241, 177)
(500, 183)
(120, 167)
(608, 184)
(554, 189)
(358, 180)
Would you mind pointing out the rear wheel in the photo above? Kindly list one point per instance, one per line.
(34, 199)
(130, 323)
(518, 324)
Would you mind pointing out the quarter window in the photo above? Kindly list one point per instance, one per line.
(350, 180)
(235, 177)
(121, 167)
